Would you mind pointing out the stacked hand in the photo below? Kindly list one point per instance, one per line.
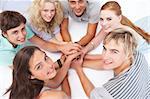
(70, 48)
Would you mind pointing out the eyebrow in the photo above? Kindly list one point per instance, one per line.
(111, 49)
(114, 50)
(40, 62)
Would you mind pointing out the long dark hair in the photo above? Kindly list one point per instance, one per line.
(23, 87)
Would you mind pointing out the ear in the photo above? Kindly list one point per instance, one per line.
(120, 18)
(5, 34)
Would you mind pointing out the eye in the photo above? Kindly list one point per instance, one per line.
(72, 2)
(15, 32)
(38, 67)
(101, 19)
(45, 10)
(81, 1)
(23, 29)
(53, 10)
(115, 51)
(109, 19)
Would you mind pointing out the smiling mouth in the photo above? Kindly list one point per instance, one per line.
(108, 62)
(22, 40)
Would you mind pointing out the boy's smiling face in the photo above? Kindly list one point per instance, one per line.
(17, 35)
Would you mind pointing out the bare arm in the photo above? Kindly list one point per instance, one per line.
(87, 85)
(53, 47)
(66, 87)
(91, 30)
(95, 41)
(93, 56)
(64, 30)
(61, 74)
(94, 64)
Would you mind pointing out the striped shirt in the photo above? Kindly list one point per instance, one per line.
(133, 84)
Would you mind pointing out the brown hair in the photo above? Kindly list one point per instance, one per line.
(113, 5)
(23, 87)
(10, 19)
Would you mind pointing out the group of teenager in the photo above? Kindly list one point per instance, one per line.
(35, 75)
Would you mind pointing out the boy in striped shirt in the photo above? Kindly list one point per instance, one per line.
(132, 78)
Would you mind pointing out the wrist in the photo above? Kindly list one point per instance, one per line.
(79, 71)
(59, 63)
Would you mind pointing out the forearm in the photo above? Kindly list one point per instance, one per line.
(85, 40)
(93, 57)
(95, 41)
(64, 30)
(49, 46)
(66, 87)
(61, 74)
(66, 36)
(87, 85)
(91, 30)
(93, 64)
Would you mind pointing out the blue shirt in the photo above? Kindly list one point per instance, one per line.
(7, 51)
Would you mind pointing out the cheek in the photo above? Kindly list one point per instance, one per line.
(40, 75)
(42, 14)
(24, 32)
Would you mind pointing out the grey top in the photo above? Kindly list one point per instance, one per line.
(45, 36)
(91, 14)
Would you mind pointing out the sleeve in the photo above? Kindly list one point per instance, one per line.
(100, 93)
(29, 31)
(94, 13)
(6, 58)
(56, 30)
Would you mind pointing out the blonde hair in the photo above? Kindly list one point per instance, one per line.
(124, 37)
(36, 19)
(114, 6)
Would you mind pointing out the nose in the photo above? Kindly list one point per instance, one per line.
(104, 23)
(106, 57)
(48, 65)
(49, 14)
(21, 34)
(77, 6)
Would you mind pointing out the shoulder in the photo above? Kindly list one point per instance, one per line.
(64, 4)
(94, 6)
(54, 94)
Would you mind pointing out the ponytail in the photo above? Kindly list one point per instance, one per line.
(127, 22)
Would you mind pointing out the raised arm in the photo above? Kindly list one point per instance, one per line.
(87, 85)
(64, 30)
(68, 48)
(91, 30)
(95, 41)
(61, 74)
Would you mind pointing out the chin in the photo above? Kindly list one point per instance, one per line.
(52, 75)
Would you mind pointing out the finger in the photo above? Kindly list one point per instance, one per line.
(77, 45)
(75, 48)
